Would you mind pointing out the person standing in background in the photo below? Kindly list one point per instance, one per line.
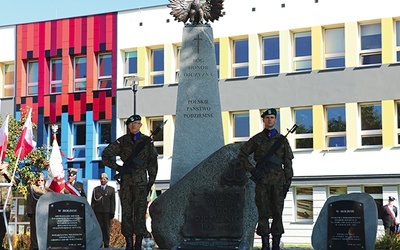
(389, 215)
(76, 184)
(35, 192)
(103, 204)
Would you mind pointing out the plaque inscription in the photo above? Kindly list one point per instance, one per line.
(346, 225)
(66, 225)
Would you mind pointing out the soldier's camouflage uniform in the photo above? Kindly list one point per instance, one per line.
(269, 191)
(133, 187)
(3, 196)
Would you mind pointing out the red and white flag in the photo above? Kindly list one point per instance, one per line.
(71, 189)
(3, 139)
(56, 181)
(25, 143)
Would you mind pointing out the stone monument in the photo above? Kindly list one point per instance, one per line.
(212, 207)
(348, 221)
(66, 222)
(198, 124)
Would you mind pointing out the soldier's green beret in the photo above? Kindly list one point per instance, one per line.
(269, 112)
(133, 118)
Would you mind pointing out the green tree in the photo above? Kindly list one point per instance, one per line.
(26, 169)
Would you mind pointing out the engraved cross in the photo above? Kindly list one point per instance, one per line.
(198, 43)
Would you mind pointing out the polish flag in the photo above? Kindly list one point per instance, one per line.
(56, 181)
(3, 139)
(25, 143)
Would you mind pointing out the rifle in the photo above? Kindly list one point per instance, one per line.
(262, 166)
(132, 160)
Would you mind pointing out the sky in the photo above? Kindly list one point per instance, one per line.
(26, 11)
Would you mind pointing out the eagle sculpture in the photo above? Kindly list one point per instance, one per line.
(196, 12)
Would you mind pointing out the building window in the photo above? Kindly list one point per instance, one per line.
(55, 76)
(157, 66)
(32, 78)
(80, 74)
(79, 141)
(398, 41)
(334, 48)
(270, 61)
(304, 133)
(336, 127)
(103, 136)
(337, 190)
(302, 51)
(130, 66)
(241, 58)
(304, 204)
(376, 193)
(8, 80)
(178, 63)
(158, 139)
(241, 126)
(371, 124)
(105, 71)
(217, 52)
(371, 44)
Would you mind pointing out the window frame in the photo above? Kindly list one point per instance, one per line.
(99, 146)
(336, 54)
(269, 62)
(9, 80)
(234, 125)
(364, 53)
(367, 133)
(79, 80)
(75, 147)
(238, 65)
(397, 43)
(303, 197)
(104, 78)
(297, 135)
(329, 135)
(127, 67)
(32, 84)
(307, 59)
(57, 83)
(157, 143)
(178, 49)
(154, 73)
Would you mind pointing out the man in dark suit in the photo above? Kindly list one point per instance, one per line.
(389, 215)
(76, 184)
(103, 204)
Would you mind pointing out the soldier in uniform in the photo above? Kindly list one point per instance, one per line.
(76, 184)
(5, 177)
(274, 180)
(36, 190)
(138, 174)
(103, 204)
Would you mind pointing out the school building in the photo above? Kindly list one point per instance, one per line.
(330, 66)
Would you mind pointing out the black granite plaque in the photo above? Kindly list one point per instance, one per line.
(215, 214)
(66, 225)
(346, 225)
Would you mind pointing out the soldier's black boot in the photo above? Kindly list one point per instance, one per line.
(265, 242)
(129, 243)
(276, 240)
(138, 242)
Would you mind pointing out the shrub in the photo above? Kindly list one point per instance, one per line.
(388, 241)
(117, 240)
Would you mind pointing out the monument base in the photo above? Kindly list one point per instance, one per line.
(211, 244)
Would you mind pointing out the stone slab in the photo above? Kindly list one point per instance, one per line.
(66, 222)
(169, 211)
(347, 221)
